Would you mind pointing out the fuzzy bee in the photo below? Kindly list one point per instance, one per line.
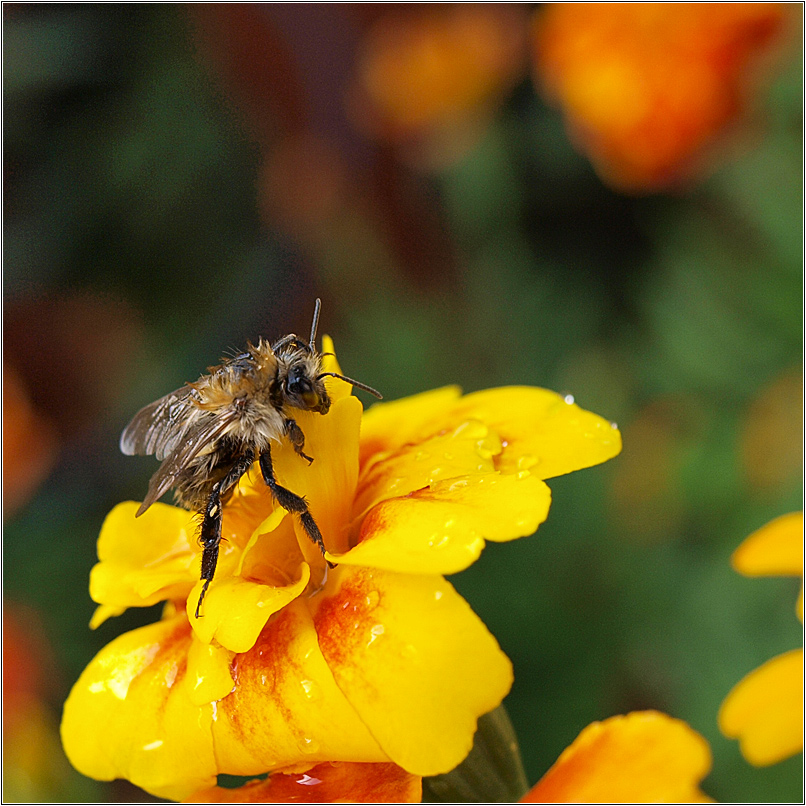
(208, 433)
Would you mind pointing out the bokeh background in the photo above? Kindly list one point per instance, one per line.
(601, 202)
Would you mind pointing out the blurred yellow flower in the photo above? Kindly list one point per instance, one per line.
(294, 664)
(643, 757)
(647, 87)
(764, 711)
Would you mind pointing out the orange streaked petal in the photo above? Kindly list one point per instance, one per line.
(414, 661)
(143, 560)
(335, 782)
(285, 709)
(764, 711)
(467, 449)
(442, 529)
(773, 550)
(643, 757)
(130, 715)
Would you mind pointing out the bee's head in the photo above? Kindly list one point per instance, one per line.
(304, 390)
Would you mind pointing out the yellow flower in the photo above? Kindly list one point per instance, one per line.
(764, 710)
(643, 757)
(293, 664)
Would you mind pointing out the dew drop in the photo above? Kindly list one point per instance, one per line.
(372, 599)
(309, 746)
(309, 687)
(569, 399)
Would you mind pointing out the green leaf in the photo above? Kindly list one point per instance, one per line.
(492, 772)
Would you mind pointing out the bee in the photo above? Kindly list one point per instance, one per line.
(208, 433)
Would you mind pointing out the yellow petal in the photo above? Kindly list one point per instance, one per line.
(643, 757)
(130, 715)
(388, 426)
(413, 660)
(285, 710)
(143, 560)
(328, 483)
(336, 388)
(208, 675)
(774, 550)
(442, 529)
(764, 711)
(339, 782)
(235, 609)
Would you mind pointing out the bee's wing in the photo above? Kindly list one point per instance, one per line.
(159, 427)
(199, 437)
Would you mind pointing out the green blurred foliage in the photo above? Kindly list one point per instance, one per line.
(131, 174)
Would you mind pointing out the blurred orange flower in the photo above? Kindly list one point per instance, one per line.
(34, 767)
(764, 710)
(647, 87)
(433, 72)
(293, 664)
(30, 443)
(643, 757)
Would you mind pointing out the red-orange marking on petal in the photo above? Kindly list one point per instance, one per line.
(325, 783)
(341, 619)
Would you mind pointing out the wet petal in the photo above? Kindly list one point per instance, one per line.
(208, 672)
(285, 709)
(643, 757)
(235, 609)
(143, 560)
(130, 715)
(764, 711)
(340, 782)
(442, 529)
(413, 660)
(465, 450)
(775, 549)
(541, 430)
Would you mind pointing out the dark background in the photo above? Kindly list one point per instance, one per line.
(179, 179)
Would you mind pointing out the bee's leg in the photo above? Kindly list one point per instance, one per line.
(296, 437)
(210, 535)
(291, 502)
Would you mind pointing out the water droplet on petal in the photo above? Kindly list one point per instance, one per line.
(310, 746)
(309, 687)
(372, 599)
(569, 399)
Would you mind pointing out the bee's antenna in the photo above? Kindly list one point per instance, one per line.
(357, 384)
(315, 321)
